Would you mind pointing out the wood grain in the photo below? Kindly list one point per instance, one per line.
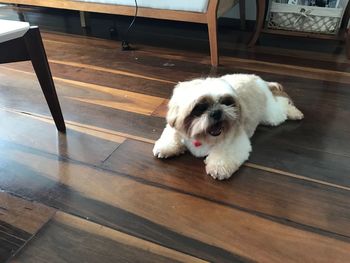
(148, 66)
(277, 53)
(128, 101)
(271, 194)
(25, 97)
(90, 242)
(19, 221)
(79, 143)
(103, 78)
(33, 182)
(267, 142)
(22, 214)
(310, 59)
(108, 70)
(290, 70)
(76, 187)
(290, 203)
(243, 63)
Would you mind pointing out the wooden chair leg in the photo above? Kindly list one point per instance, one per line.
(213, 40)
(242, 14)
(260, 16)
(347, 43)
(36, 51)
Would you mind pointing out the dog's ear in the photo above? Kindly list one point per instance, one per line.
(173, 105)
(172, 114)
(176, 103)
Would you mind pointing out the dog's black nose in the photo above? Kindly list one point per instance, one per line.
(216, 114)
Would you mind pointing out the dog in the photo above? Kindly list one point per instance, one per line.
(215, 118)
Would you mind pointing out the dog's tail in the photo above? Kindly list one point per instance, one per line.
(277, 90)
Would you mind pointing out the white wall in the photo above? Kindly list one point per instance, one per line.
(250, 9)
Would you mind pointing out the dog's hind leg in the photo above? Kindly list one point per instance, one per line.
(280, 106)
(293, 113)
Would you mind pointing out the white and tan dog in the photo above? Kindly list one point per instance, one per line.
(215, 117)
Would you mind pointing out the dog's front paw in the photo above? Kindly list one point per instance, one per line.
(165, 150)
(220, 170)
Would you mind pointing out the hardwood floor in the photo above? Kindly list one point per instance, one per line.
(97, 194)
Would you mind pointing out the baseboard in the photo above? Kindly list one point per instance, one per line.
(235, 23)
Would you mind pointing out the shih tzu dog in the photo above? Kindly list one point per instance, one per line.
(215, 117)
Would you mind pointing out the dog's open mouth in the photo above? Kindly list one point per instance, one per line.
(216, 129)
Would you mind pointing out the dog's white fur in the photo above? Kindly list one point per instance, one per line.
(255, 104)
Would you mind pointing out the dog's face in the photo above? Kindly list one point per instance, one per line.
(204, 109)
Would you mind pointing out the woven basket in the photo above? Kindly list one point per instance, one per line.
(305, 18)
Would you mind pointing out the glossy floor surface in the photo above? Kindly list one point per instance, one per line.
(97, 194)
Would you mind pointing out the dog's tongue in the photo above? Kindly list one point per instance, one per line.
(215, 130)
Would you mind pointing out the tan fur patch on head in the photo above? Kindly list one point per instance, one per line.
(278, 91)
(275, 87)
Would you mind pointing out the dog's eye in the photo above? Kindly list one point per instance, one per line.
(228, 101)
(199, 109)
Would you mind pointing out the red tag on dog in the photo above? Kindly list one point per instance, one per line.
(197, 143)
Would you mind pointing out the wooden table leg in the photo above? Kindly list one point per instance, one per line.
(260, 17)
(38, 57)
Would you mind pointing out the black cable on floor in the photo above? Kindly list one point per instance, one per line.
(125, 42)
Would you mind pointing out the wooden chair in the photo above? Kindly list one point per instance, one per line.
(215, 9)
(20, 42)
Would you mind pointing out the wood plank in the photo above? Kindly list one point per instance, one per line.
(128, 101)
(173, 203)
(115, 136)
(113, 71)
(21, 214)
(308, 143)
(266, 142)
(282, 197)
(280, 68)
(91, 242)
(78, 143)
(145, 66)
(24, 95)
(161, 110)
(276, 49)
(295, 71)
(329, 165)
(285, 55)
(88, 129)
(247, 64)
(277, 53)
(30, 182)
(19, 221)
(289, 70)
(121, 202)
(104, 77)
